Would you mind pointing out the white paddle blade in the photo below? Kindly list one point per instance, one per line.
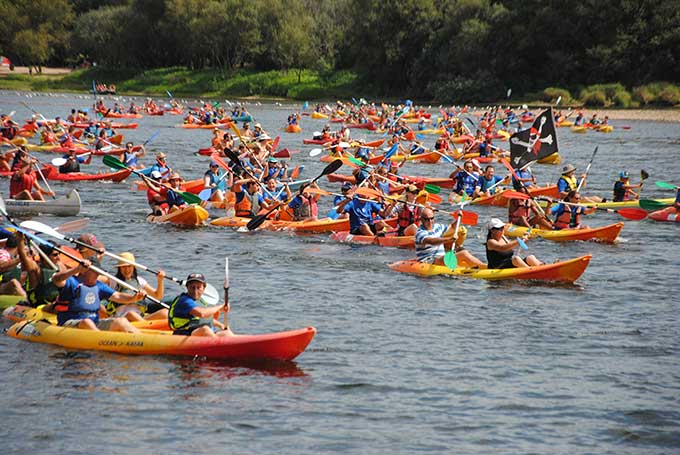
(345, 145)
(317, 133)
(315, 152)
(59, 161)
(210, 296)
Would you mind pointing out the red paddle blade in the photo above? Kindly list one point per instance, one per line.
(368, 193)
(284, 153)
(511, 194)
(469, 218)
(633, 213)
(434, 198)
(275, 144)
(296, 171)
(216, 158)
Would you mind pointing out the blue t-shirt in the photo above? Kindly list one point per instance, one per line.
(483, 184)
(466, 182)
(174, 199)
(361, 212)
(362, 175)
(184, 306)
(73, 291)
(424, 251)
(523, 174)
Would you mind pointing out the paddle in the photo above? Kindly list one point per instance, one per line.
(318, 151)
(114, 162)
(666, 185)
(153, 136)
(631, 213)
(651, 204)
(590, 163)
(259, 219)
(210, 291)
(61, 161)
(44, 181)
(207, 192)
(226, 293)
(450, 259)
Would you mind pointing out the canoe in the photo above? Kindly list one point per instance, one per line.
(52, 173)
(604, 234)
(499, 200)
(578, 129)
(191, 215)
(667, 214)
(554, 158)
(318, 115)
(389, 240)
(274, 346)
(293, 129)
(68, 205)
(565, 271)
(8, 301)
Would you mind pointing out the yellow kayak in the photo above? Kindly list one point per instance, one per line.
(604, 234)
(191, 215)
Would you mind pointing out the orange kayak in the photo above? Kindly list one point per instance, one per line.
(389, 240)
(564, 272)
(191, 215)
(499, 200)
(293, 129)
(195, 126)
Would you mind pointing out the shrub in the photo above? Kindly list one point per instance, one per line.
(670, 95)
(593, 97)
(551, 94)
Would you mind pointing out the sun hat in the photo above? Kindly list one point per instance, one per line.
(412, 189)
(196, 277)
(495, 223)
(263, 137)
(568, 168)
(175, 176)
(160, 155)
(129, 256)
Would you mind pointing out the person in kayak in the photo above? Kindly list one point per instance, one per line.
(137, 311)
(189, 316)
(172, 196)
(568, 216)
(24, 183)
(161, 166)
(248, 199)
(623, 190)
(361, 173)
(486, 181)
(130, 157)
(500, 250)
(10, 273)
(568, 182)
(466, 182)
(361, 215)
(345, 189)
(431, 237)
(73, 162)
(216, 181)
(155, 193)
(80, 300)
(408, 215)
(305, 204)
(40, 290)
(523, 178)
(527, 213)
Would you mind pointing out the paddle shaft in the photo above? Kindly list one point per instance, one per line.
(40, 252)
(590, 163)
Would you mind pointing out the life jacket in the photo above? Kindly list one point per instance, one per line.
(619, 191)
(111, 307)
(498, 259)
(248, 206)
(572, 183)
(130, 159)
(179, 323)
(86, 303)
(522, 210)
(43, 292)
(306, 209)
(567, 217)
(69, 166)
(408, 215)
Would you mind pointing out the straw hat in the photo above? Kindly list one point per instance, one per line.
(128, 256)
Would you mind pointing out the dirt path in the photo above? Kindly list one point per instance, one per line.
(46, 71)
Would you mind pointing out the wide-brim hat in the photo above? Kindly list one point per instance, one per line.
(568, 168)
(128, 256)
(495, 223)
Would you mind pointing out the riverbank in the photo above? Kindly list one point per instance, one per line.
(272, 85)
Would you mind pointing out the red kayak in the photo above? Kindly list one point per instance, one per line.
(117, 115)
(52, 173)
(319, 141)
(114, 125)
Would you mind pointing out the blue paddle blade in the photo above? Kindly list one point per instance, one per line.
(447, 159)
(450, 260)
(153, 136)
(522, 244)
(305, 105)
(205, 194)
(333, 214)
(419, 136)
(391, 151)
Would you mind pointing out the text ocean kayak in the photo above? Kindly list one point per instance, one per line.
(604, 234)
(275, 346)
(565, 271)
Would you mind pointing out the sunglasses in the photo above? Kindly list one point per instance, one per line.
(429, 218)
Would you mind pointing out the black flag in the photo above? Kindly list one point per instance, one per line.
(534, 143)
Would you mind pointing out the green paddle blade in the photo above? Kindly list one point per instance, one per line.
(651, 204)
(356, 161)
(450, 260)
(190, 198)
(432, 189)
(112, 161)
(666, 185)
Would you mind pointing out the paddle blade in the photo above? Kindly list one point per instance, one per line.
(522, 244)
(75, 225)
(432, 189)
(190, 198)
(256, 222)
(665, 185)
(58, 162)
(651, 204)
(469, 218)
(633, 213)
(353, 160)
(368, 192)
(450, 260)
(644, 175)
(511, 194)
(315, 152)
(332, 167)
(112, 161)
(210, 296)
(205, 194)
(392, 150)
(295, 173)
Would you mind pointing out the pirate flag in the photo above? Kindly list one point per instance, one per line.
(534, 143)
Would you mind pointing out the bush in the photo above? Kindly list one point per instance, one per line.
(605, 95)
(670, 95)
(593, 97)
(551, 94)
(644, 95)
(623, 99)
(660, 93)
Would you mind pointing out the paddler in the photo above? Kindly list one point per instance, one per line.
(527, 213)
(248, 198)
(40, 289)
(466, 181)
(431, 237)
(500, 251)
(188, 315)
(487, 180)
(408, 215)
(361, 215)
(568, 182)
(10, 273)
(80, 296)
(568, 216)
(73, 161)
(173, 197)
(216, 181)
(128, 273)
(305, 204)
(161, 166)
(623, 190)
(24, 183)
(130, 157)
(155, 193)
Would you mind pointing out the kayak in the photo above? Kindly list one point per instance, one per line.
(442, 182)
(8, 301)
(194, 126)
(604, 129)
(564, 123)
(388, 240)
(114, 125)
(117, 115)
(318, 115)
(190, 215)
(427, 157)
(604, 234)
(553, 158)
(667, 214)
(565, 271)
(578, 129)
(52, 173)
(68, 205)
(319, 141)
(324, 225)
(437, 131)
(621, 204)
(293, 129)
(275, 346)
(499, 200)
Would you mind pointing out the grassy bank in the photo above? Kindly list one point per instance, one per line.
(203, 83)
(313, 85)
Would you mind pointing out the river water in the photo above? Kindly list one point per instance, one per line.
(400, 364)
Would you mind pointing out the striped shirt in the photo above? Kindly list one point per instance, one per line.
(426, 252)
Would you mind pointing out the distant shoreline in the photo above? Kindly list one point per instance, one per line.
(670, 115)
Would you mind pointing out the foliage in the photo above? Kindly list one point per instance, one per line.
(551, 94)
(658, 93)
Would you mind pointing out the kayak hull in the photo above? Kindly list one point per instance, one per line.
(68, 205)
(293, 129)
(563, 272)
(51, 173)
(271, 346)
(499, 200)
(670, 214)
(603, 234)
(388, 240)
(191, 215)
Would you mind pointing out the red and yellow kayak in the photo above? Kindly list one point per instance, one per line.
(25, 313)
(604, 234)
(197, 126)
(293, 129)
(565, 271)
(667, 214)
(499, 200)
(191, 215)
(274, 346)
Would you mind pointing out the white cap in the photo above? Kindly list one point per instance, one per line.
(156, 175)
(495, 223)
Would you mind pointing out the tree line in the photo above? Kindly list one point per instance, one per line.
(438, 49)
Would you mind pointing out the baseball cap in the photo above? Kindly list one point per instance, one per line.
(495, 223)
(346, 186)
(90, 239)
(196, 277)
(623, 174)
(156, 175)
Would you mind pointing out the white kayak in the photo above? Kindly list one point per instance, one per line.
(68, 205)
